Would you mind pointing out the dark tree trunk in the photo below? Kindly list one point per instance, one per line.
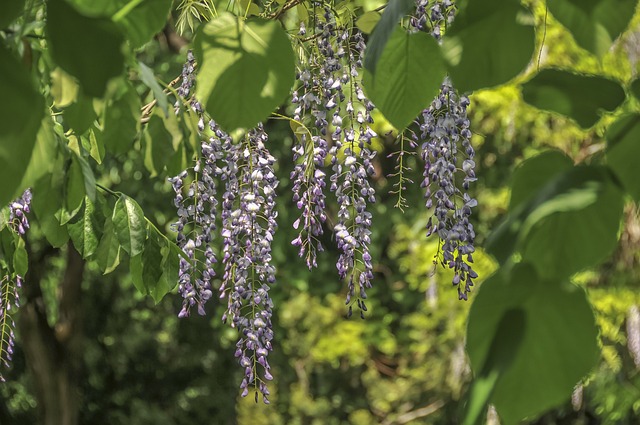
(53, 353)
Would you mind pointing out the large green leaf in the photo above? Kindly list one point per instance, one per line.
(149, 79)
(580, 97)
(158, 145)
(559, 342)
(623, 149)
(9, 11)
(86, 47)
(108, 251)
(86, 228)
(594, 24)
(487, 45)
(407, 76)
(80, 115)
(21, 110)
(570, 224)
(246, 69)
(534, 173)
(130, 225)
(74, 192)
(141, 20)
(577, 228)
(121, 120)
(47, 202)
(154, 271)
(393, 12)
(41, 159)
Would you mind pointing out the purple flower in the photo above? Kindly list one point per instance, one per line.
(447, 154)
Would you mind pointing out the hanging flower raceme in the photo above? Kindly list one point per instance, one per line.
(11, 282)
(448, 157)
(330, 100)
(248, 226)
(246, 208)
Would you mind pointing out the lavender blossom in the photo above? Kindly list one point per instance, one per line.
(248, 226)
(11, 282)
(433, 15)
(448, 156)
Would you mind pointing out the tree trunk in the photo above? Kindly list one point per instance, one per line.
(53, 353)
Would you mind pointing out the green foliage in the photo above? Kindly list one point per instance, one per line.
(581, 97)
(21, 118)
(477, 58)
(622, 144)
(9, 11)
(393, 12)
(556, 346)
(595, 24)
(246, 69)
(407, 77)
(129, 225)
(87, 48)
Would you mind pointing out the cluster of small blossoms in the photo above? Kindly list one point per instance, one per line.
(246, 208)
(12, 282)
(195, 229)
(633, 334)
(448, 157)
(329, 96)
(248, 225)
(432, 15)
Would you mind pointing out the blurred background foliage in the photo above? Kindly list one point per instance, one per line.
(406, 362)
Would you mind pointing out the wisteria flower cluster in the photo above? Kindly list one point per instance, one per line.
(11, 282)
(331, 101)
(233, 184)
(448, 157)
(432, 16)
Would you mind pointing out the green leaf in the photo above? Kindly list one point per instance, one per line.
(21, 110)
(368, 21)
(158, 145)
(20, 257)
(45, 148)
(170, 270)
(147, 77)
(570, 224)
(96, 145)
(623, 149)
(129, 224)
(64, 88)
(246, 69)
(504, 348)
(559, 343)
(86, 229)
(74, 190)
(534, 173)
(388, 24)
(141, 22)
(407, 77)
(148, 268)
(10, 11)
(121, 120)
(580, 97)
(594, 24)
(108, 251)
(87, 48)
(80, 115)
(47, 202)
(487, 45)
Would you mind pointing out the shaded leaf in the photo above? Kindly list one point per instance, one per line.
(388, 24)
(594, 24)
(246, 69)
(487, 45)
(407, 77)
(87, 48)
(130, 225)
(108, 251)
(21, 111)
(623, 149)
(559, 343)
(580, 97)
